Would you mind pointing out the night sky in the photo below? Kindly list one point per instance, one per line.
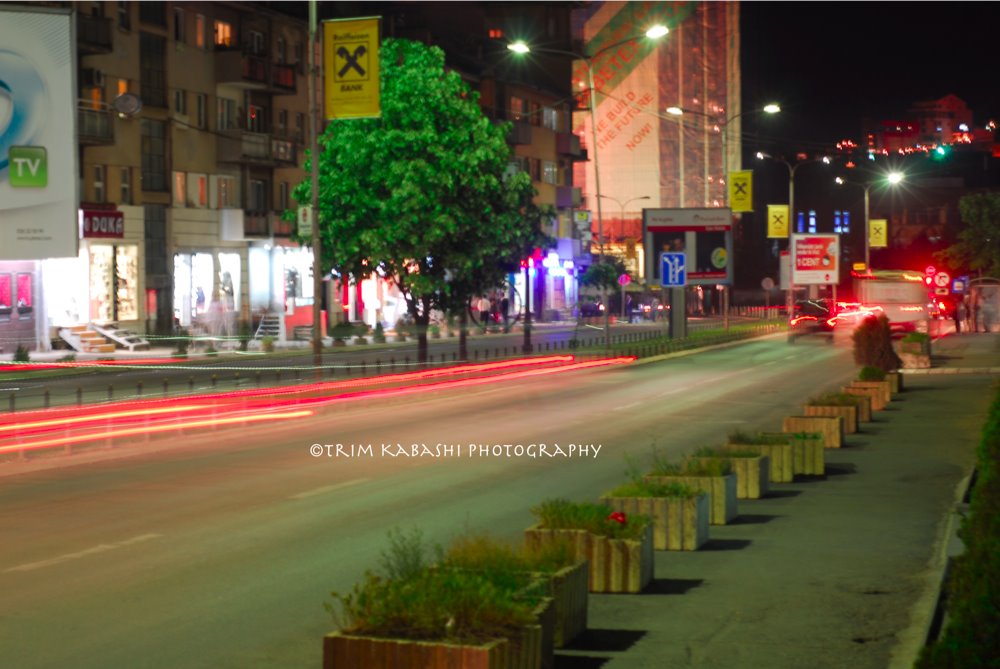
(830, 65)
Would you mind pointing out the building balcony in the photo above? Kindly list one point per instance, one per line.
(241, 146)
(280, 228)
(237, 225)
(284, 152)
(568, 197)
(520, 133)
(93, 34)
(568, 144)
(283, 79)
(234, 68)
(94, 126)
(256, 224)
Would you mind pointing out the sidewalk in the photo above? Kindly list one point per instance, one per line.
(841, 571)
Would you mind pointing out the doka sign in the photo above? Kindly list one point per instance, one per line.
(102, 224)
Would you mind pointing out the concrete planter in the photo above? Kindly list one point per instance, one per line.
(808, 455)
(679, 523)
(868, 397)
(895, 380)
(884, 395)
(721, 493)
(569, 589)
(779, 456)
(752, 474)
(848, 413)
(830, 427)
(343, 651)
(615, 565)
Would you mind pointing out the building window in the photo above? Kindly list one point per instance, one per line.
(126, 185)
(153, 13)
(225, 118)
(257, 196)
(124, 17)
(225, 192)
(179, 25)
(180, 102)
(279, 54)
(300, 127)
(550, 118)
(154, 155)
(199, 31)
(812, 222)
(535, 169)
(180, 189)
(300, 56)
(152, 68)
(99, 191)
(223, 34)
(255, 119)
(517, 108)
(25, 297)
(281, 129)
(121, 86)
(6, 297)
(535, 113)
(495, 33)
(283, 195)
(201, 109)
(197, 190)
(255, 41)
(550, 172)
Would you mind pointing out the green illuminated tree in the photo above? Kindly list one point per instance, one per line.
(422, 196)
(978, 245)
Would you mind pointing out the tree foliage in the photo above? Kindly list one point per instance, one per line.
(873, 344)
(422, 196)
(978, 245)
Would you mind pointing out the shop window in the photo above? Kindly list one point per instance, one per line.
(6, 297)
(223, 34)
(126, 283)
(25, 296)
(99, 190)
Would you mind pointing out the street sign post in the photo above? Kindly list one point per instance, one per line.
(673, 269)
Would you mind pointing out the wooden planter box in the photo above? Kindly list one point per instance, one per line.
(865, 407)
(615, 565)
(895, 380)
(884, 395)
(569, 588)
(779, 456)
(679, 523)
(832, 428)
(721, 493)
(752, 474)
(343, 651)
(808, 455)
(848, 413)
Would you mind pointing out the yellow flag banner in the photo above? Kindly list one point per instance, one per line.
(878, 233)
(777, 221)
(741, 191)
(351, 66)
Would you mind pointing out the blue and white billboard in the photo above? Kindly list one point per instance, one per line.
(38, 164)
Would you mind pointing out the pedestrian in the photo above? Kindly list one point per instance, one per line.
(484, 311)
(956, 313)
(505, 312)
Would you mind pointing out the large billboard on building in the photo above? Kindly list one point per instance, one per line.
(815, 259)
(38, 166)
(705, 236)
(641, 151)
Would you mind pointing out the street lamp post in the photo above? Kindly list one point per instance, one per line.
(892, 178)
(623, 205)
(723, 125)
(790, 300)
(521, 47)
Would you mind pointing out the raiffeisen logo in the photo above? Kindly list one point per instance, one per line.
(23, 107)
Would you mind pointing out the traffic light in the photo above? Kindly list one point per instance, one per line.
(941, 152)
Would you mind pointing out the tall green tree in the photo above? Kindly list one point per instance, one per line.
(978, 245)
(422, 196)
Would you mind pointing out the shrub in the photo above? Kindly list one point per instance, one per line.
(485, 553)
(648, 489)
(21, 354)
(181, 343)
(873, 344)
(267, 344)
(869, 373)
(379, 335)
(561, 514)
(245, 335)
(68, 358)
(833, 400)
(740, 437)
(434, 331)
(916, 338)
(342, 331)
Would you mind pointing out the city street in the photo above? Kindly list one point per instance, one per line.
(219, 551)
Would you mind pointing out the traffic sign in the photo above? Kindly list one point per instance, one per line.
(940, 291)
(942, 279)
(673, 269)
(624, 280)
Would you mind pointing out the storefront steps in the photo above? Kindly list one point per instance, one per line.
(85, 340)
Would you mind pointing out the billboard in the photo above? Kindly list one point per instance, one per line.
(705, 236)
(351, 63)
(815, 259)
(38, 164)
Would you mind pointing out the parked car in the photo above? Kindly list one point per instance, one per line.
(812, 317)
(591, 308)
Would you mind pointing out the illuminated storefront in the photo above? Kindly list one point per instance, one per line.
(207, 291)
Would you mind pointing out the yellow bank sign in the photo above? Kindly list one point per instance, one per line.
(351, 64)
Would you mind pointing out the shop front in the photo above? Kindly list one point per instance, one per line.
(19, 322)
(207, 296)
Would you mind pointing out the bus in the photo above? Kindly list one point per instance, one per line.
(900, 295)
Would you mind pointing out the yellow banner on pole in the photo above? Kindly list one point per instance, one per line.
(878, 233)
(777, 221)
(741, 191)
(351, 66)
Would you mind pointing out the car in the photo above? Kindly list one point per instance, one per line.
(591, 308)
(812, 317)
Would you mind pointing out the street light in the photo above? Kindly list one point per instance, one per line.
(892, 178)
(655, 32)
(623, 206)
(790, 301)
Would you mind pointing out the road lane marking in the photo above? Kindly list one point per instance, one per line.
(326, 489)
(627, 406)
(93, 550)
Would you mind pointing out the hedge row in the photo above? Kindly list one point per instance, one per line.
(971, 637)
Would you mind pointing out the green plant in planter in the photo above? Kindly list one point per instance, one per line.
(267, 344)
(181, 344)
(916, 338)
(870, 373)
(692, 468)
(21, 354)
(434, 331)
(834, 400)
(245, 335)
(561, 514)
(486, 553)
(873, 344)
(642, 488)
(740, 437)
(712, 452)
(379, 335)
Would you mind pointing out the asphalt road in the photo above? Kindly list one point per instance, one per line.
(220, 550)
